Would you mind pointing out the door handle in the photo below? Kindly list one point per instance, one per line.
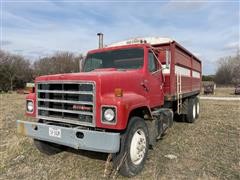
(143, 84)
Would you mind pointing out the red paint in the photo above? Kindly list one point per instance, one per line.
(132, 82)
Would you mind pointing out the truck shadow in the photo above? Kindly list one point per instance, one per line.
(179, 118)
(89, 154)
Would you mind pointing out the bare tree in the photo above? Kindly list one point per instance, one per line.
(236, 70)
(15, 71)
(60, 62)
(228, 71)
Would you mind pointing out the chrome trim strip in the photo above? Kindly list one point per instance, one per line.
(66, 92)
(65, 82)
(65, 101)
(65, 120)
(66, 111)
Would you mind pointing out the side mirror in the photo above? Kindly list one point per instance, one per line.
(168, 58)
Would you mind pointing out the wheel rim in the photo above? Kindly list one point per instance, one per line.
(138, 147)
(198, 108)
(194, 111)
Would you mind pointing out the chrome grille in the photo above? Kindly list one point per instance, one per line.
(70, 102)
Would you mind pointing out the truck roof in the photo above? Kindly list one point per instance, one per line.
(153, 41)
(140, 40)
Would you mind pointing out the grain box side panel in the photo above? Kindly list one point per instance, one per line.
(196, 74)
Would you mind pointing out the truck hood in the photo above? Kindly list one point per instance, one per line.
(106, 79)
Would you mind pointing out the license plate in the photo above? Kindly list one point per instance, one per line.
(54, 132)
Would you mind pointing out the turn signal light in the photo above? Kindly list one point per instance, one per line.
(32, 90)
(118, 92)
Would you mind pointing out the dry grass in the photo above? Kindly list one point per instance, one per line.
(207, 149)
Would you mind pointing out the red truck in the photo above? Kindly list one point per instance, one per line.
(123, 100)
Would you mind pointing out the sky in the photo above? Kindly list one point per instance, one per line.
(37, 28)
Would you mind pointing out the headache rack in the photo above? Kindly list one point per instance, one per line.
(68, 102)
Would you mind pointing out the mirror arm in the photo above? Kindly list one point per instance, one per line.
(156, 58)
(167, 57)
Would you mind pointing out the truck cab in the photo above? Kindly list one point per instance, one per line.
(117, 104)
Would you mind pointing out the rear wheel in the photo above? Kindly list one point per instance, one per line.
(191, 111)
(134, 148)
(47, 147)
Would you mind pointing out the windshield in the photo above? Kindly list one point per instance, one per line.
(119, 59)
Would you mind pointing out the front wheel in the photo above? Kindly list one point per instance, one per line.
(134, 148)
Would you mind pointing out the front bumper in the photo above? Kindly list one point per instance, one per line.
(106, 142)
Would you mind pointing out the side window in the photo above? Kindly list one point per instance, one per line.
(152, 62)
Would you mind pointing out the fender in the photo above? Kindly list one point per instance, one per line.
(125, 105)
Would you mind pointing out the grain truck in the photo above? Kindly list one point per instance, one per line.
(123, 100)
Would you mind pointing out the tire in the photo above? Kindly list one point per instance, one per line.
(134, 138)
(47, 147)
(197, 104)
(191, 111)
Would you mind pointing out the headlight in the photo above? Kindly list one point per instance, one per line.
(109, 114)
(29, 106)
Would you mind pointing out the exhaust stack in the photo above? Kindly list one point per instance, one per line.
(100, 40)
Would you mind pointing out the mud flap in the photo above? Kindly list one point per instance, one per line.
(162, 120)
(168, 118)
(152, 131)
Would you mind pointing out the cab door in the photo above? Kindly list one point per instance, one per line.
(154, 80)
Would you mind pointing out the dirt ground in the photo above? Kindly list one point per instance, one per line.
(207, 149)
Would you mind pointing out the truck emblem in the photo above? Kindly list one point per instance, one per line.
(81, 107)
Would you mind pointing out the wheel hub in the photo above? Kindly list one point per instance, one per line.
(138, 147)
(194, 111)
(198, 108)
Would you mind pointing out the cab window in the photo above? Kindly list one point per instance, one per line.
(152, 62)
